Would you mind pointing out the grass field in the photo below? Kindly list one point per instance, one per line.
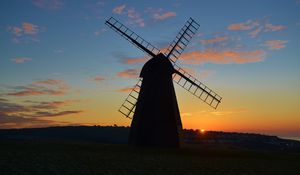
(33, 157)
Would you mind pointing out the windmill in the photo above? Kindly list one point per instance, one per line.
(152, 103)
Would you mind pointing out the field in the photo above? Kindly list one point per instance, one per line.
(57, 157)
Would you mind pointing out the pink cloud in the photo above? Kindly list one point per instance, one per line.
(17, 31)
(248, 25)
(129, 73)
(135, 17)
(30, 28)
(48, 4)
(255, 32)
(275, 44)
(21, 60)
(222, 57)
(119, 9)
(206, 73)
(271, 27)
(214, 40)
(163, 16)
(44, 87)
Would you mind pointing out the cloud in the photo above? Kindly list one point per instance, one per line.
(126, 89)
(52, 104)
(17, 31)
(222, 113)
(222, 57)
(28, 113)
(98, 79)
(26, 32)
(255, 32)
(135, 17)
(163, 16)
(134, 60)
(44, 87)
(49, 82)
(206, 73)
(30, 28)
(248, 25)
(214, 40)
(275, 44)
(55, 114)
(129, 73)
(58, 51)
(271, 27)
(119, 9)
(21, 60)
(256, 27)
(48, 4)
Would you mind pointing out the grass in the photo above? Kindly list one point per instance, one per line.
(33, 157)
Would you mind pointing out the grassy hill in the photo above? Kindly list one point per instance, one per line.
(103, 150)
(41, 157)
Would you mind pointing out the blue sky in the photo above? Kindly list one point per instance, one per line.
(61, 51)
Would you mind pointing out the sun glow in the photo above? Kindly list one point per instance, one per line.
(202, 130)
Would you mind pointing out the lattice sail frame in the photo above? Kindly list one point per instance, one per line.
(128, 107)
(132, 37)
(195, 87)
(173, 52)
(182, 40)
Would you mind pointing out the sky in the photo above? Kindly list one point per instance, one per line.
(61, 65)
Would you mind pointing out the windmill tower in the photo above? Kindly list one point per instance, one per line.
(152, 102)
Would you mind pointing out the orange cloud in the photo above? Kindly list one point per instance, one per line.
(222, 57)
(214, 40)
(99, 78)
(129, 73)
(275, 44)
(21, 60)
(248, 25)
(135, 60)
(127, 89)
(119, 9)
(30, 28)
(163, 16)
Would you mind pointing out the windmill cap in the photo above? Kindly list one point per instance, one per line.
(157, 66)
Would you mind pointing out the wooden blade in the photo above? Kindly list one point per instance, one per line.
(182, 40)
(195, 87)
(128, 107)
(132, 37)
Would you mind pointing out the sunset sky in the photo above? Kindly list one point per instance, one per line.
(61, 65)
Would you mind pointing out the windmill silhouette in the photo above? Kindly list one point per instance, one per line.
(152, 102)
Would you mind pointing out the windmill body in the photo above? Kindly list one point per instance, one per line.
(156, 121)
(152, 102)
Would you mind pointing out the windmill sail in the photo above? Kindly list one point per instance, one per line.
(182, 39)
(132, 37)
(128, 106)
(195, 87)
